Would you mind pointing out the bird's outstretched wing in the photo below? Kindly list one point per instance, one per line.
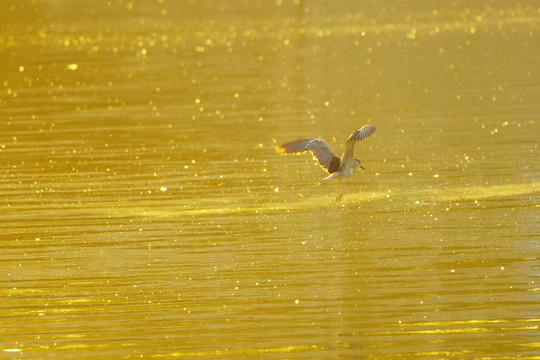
(357, 135)
(318, 147)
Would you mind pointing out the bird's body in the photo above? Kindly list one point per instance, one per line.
(339, 169)
(345, 171)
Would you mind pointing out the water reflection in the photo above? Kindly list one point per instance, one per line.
(146, 213)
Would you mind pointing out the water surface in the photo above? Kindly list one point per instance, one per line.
(145, 213)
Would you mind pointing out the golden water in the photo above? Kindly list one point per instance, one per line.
(145, 213)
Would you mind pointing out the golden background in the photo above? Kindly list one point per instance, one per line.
(144, 212)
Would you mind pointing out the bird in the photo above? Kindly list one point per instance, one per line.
(338, 169)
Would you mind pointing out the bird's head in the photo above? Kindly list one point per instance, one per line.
(358, 165)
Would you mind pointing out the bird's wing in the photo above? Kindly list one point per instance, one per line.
(318, 147)
(357, 135)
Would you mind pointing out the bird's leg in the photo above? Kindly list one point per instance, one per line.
(338, 195)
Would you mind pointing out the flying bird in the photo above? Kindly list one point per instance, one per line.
(338, 169)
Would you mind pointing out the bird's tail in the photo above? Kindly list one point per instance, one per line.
(336, 174)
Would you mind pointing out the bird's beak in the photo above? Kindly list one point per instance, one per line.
(363, 168)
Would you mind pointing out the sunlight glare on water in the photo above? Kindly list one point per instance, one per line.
(146, 213)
